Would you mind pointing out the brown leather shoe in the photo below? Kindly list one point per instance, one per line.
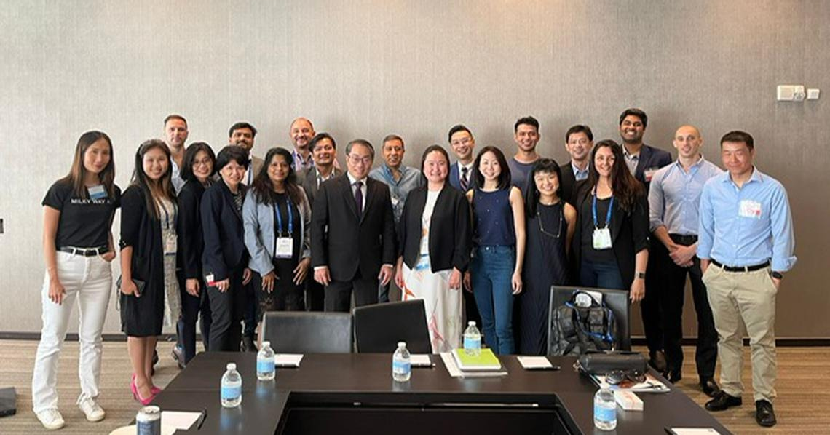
(764, 414)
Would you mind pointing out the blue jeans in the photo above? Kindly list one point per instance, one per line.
(492, 272)
(601, 275)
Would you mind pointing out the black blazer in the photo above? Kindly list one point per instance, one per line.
(309, 182)
(629, 232)
(344, 241)
(223, 231)
(450, 239)
(568, 183)
(650, 159)
(189, 229)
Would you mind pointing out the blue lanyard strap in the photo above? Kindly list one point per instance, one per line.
(607, 215)
(278, 218)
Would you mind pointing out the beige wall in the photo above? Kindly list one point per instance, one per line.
(369, 68)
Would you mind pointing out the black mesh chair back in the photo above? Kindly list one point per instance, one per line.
(304, 332)
(379, 328)
(616, 300)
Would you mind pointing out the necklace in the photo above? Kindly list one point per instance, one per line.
(542, 228)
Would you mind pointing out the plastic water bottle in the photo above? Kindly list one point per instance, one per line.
(401, 364)
(472, 339)
(605, 410)
(231, 387)
(265, 369)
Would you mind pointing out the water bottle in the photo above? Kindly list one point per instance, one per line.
(605, 410)
(472, 340)
(401, 364)
(265, 369)
(231, 387)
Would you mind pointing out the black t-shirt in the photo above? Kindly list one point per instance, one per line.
(84, 223)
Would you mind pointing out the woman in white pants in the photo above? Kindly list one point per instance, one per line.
(78, 249)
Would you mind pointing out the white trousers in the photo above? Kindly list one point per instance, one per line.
(89, 281)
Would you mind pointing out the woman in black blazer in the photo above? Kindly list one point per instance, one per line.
(149, 289)
(435, 243)
(610, 243)
(198, 170)
(225, 258)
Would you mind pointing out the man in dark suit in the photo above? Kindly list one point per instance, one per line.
(643, 161)
(463, 144)
(323, 153)
(579, 140)
(358, 251)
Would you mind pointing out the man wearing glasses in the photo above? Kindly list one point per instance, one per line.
(357, 251)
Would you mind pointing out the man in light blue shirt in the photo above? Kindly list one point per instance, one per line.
(673, 199)
(745, 246)
(401, 180)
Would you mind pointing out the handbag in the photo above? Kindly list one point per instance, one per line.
(139, 285)
(604, 362)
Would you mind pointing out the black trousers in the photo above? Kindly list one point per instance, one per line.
(251, 318)
(315, 293)
(285, 296)
(650, 306)
(339, 293)
(227, 309)
(192, 307)
(674, 285)
(471, 309)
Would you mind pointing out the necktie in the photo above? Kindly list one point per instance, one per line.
(358, 197)
(463, 181)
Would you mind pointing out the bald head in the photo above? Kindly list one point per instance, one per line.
(687, 140)
(301, 132)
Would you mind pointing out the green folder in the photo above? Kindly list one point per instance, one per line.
(487, 360)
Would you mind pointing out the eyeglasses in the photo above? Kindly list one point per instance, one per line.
(354, 158)
(617, 377)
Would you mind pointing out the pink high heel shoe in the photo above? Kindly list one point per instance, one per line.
(137, 396)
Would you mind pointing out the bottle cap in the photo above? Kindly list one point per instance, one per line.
(471, 323)
(266, 344)
(401, 344)
(231, 366)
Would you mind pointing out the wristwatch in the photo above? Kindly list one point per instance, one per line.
(777, 275)
(641, 275)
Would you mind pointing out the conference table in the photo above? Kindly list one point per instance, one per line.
(355, 393)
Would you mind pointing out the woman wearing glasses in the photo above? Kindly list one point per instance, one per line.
(550, 227)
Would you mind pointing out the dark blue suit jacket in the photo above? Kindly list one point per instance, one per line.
(651, 159)
(455, 177)
(223, 231)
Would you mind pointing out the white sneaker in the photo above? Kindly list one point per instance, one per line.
(92, 410)
(51, 419)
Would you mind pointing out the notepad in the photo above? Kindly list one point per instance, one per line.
(694, 431)
(420, 360)
(179, 420)
(486, 360)
(455, 372)
(535, 363)
(288, 359)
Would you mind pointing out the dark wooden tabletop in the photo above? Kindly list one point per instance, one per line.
(197, 388)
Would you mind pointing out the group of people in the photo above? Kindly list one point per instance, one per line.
(226, 237)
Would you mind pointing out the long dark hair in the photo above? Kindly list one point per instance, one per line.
(140, 179)
(77, 172)
(543, 165)
(264, 187)
(626, 188)
(504, 175)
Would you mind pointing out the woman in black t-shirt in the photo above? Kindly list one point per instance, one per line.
(78, 249)
(149, 288)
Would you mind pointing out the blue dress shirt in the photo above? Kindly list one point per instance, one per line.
(746, 226)
(399, 190)
(674, 196)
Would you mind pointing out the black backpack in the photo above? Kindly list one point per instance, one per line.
(575, 330)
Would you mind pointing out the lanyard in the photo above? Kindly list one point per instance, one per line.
(278, 218)
(167, 216)
(607, 215)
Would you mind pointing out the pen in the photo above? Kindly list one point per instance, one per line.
(201, 419)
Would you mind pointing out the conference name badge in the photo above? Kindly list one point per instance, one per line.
(649, 173)
(285, 246)
(97, 192)
(602, 239)
(170, 244)
(750, 209)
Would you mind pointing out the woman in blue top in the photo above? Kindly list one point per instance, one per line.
(277, 219)
(499, 235)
